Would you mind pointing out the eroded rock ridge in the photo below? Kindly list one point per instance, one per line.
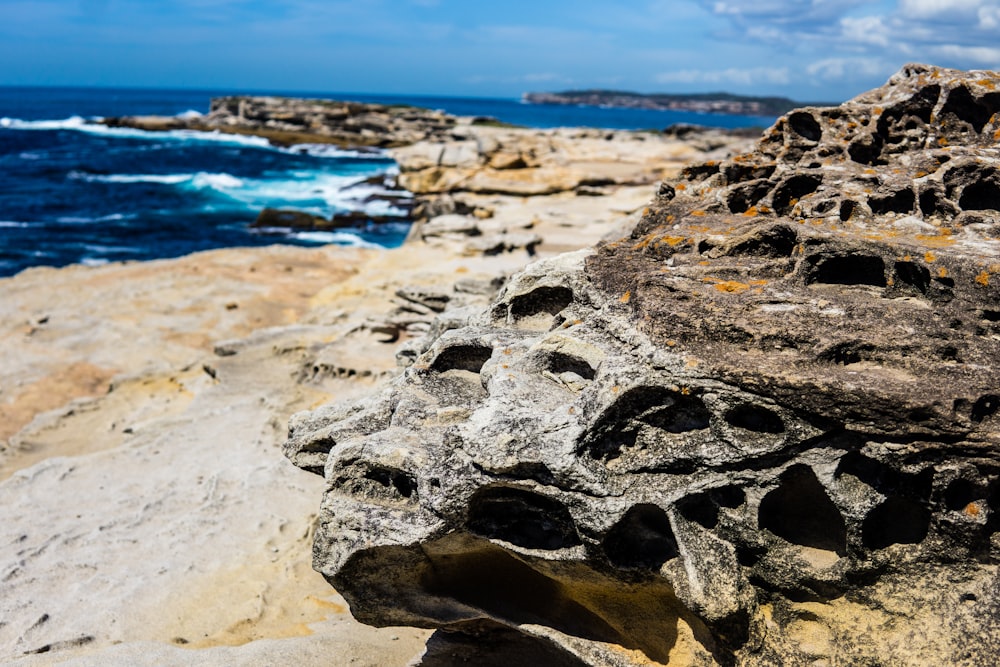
(762, 429)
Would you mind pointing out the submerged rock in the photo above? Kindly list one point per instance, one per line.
(763, 429)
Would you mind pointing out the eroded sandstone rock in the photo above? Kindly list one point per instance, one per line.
(763, 429)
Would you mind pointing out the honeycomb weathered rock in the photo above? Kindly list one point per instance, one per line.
(761, 430)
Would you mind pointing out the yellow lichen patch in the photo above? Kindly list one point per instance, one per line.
(680, 186)
(731, 286)
(685, 390)
(943, 141)
(930, 257)
(942, 240)
(983, 278)
(994, 268)
(996, 136)
(644, 242)
(942, 272)
(704, 262)
(870, 172)
(750, 212)
(907, 258)
(697, 213)
(758, 282)
(972, 509)
(921, 174)
(671, 343)
(987, 83)
(626, 297)
(645, 212)
(572, 410)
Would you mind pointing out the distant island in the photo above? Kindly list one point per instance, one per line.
(728, 103)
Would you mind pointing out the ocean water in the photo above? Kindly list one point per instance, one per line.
(74, 191)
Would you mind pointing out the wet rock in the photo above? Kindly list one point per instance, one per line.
(761, 429)
(279, 218)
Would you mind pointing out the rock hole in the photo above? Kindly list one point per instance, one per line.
(867, 151)
(965, 107)
(462, 358)
(847, 209)
(896, 521)
(990, 315)
(795, 188)
(403, 483)
(804, 125)
(985, 406)
(639, 408)
(375, 483)
(523, 518)
(550, 300)
(960, 493)
(742, 197)
(931, 203)
(642, 538)
(914, 275)
(799, 511)
(559, 362)
(981, 195)
(846, 270)
(703, 508)
(755, 418)
(487, 577)
(776, 241)
(901, 201)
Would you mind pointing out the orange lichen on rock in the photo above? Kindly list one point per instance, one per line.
(731, 286)
(983, 278)
(626, 297)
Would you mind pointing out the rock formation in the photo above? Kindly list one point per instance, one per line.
(762, 429)
(286, 121)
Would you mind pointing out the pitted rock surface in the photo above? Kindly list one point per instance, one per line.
(761, 430)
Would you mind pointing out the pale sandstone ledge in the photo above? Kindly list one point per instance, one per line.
(149, 516)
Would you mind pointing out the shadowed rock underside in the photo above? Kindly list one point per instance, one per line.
(763, 429)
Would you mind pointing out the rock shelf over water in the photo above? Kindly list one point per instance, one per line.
(761, 428)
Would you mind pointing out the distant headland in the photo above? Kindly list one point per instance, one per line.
(728, 103)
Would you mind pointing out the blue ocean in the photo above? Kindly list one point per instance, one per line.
(75, 191)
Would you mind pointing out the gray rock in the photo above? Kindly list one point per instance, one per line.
(763, 429)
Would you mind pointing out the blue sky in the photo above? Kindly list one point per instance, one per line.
(810, 50)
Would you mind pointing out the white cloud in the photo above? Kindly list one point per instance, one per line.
(733, 76)
(839, 69)
(987, 56)
(933, 8)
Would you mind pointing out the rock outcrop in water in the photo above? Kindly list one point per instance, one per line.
(762, 429)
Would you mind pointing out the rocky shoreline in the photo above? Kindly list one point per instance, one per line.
(151, 517)
(621, 399)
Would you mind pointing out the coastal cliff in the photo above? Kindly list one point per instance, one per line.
(759, 428)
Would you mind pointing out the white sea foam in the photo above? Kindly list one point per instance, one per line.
(14, 224)
(80, 124)
(340, 238)
(190, 114)
(94, 261)
(79, 220)
(165, 179)
(331, 151)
